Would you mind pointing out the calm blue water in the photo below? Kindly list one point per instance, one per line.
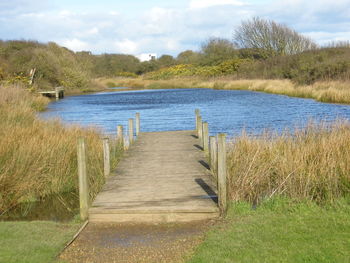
(227, 111)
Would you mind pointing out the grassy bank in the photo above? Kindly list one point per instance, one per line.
(279, 230)
(289, 198)
(33, 242)
(38, 165)
(331, 91)
(310, 163)
(38, 158)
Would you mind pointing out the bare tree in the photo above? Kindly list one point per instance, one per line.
(271, 36)
(215, 50)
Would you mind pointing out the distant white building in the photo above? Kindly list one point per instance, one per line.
(147, 57)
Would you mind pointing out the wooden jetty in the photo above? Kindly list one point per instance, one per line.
(163, 177)
(58, 93)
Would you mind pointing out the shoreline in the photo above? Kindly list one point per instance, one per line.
(326, 92)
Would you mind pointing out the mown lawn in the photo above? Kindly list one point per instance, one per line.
(280, 231)
(33, 242)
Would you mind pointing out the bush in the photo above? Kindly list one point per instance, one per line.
(126, 74)
(185, 70)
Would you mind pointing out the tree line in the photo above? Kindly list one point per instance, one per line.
(265, 43)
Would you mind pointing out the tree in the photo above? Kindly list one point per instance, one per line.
(277, 39)
(217, 50)
(188, 57)
(166, 61)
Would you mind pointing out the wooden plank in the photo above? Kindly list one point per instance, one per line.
(131, 131)
(197, 113)
(120, 134)
(200, 131)
(83, 180)
(213, 155)
(205, 137)
(137, 121)
(106, 157)
(222, 180)
(160, 179)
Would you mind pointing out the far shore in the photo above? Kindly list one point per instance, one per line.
(328, 92)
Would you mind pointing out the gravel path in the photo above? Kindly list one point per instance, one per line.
(114, 243)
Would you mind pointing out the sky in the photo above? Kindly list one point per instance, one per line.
(162, 26)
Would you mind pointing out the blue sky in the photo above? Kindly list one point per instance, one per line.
(162, 27)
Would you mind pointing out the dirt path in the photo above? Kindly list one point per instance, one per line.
(121, 243)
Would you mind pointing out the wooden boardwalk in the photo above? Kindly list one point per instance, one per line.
(58, 93)
(163, 177)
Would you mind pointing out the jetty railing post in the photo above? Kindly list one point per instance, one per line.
(83, 180)
(205, 137)
(213, 155)
(200, 131)
(126, 143)
(222, 170)
(131, 131)
(106, 157)
(137, 124)
(120, 135)
(197, 112)
(57, 93)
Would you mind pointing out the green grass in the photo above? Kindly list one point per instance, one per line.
(279, 231)
(26, 242)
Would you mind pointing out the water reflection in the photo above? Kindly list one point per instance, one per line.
(227, 111)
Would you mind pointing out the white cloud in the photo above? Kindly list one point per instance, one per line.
(194, 4)
(113, 13)
(327, 37)
(66, 13)
(167, 30)
(75, 44)
(126, 46)
(93, 31)
(172, 44)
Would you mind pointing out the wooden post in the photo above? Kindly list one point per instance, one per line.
(213, 155)
(131, 131)
(106, 157)
(200, 131)
(57, 93)
(137, 124)
(31, 76)
(126, 143)
(120, 135)
(222, 178)
(197, 112)
(205, 137)
(83, 180)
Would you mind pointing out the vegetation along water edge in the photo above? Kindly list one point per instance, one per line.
(38, 177)
(289, 192)
(323, 91)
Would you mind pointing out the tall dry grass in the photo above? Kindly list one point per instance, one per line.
(331, 91)
(326, 91)
(310, 163)
(39, 158)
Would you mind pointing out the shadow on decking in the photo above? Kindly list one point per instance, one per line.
(199, 147)
(211, 193)
(204, 164)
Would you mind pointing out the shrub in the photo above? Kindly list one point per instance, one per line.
(126, 74)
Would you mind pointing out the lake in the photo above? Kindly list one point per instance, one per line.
(227, 111)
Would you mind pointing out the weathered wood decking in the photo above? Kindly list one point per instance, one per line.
(162, 178)
(58, 93)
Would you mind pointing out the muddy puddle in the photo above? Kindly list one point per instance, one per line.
(60, 208)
